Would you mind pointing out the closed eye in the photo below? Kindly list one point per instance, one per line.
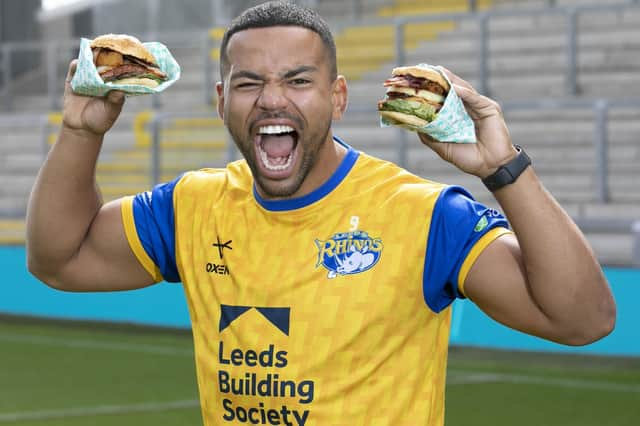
(299, 81)
(247, 84)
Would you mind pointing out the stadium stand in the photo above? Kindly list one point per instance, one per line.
(527, 57)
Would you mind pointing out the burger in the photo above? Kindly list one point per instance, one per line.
(414, 96)
(123, 59)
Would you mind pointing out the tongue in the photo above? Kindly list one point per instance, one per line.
(277, 146)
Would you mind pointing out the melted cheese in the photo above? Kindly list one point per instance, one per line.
(430, 96)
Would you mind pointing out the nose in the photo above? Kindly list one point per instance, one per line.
(272, 97)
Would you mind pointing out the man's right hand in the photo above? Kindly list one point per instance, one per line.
(74, 241)
(95, 115)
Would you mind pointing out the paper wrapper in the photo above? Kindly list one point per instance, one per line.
(452, 124)
(86, 80)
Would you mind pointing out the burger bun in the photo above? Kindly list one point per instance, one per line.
(425, 72)
(124, 44)
(395, 117)
(147, 82)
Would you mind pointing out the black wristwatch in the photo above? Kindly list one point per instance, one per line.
(508, 173)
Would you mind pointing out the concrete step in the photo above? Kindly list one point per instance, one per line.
(630, 211)
(12, 231)
(31, 142)
(183, 95)
(337, 9)
(593, 61)
(13, 206)
(612, 249)
(510, 87)
(18, 165)
(20, 186)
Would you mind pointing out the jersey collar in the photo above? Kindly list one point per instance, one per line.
(297, 203)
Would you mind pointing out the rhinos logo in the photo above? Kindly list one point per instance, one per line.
(348, 253)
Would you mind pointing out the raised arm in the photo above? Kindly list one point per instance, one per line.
(74, 242)
(544, 279)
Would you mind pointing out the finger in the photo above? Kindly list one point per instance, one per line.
(456, 79)
(475, 103)
(426, 139)
(438, 147)
(116, 97)
(73, 65)
(441, 149)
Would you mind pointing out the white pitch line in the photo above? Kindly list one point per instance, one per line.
(463, 378)
(456, 378)
(94, 344)
(98, 410)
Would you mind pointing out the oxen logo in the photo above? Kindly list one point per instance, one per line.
(348, 253)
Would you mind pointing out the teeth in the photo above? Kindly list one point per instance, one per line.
(265, 160)
(275, 129)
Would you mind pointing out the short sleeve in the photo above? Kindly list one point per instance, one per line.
(460, 229)
(150, 227)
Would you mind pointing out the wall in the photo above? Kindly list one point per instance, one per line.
(22, 294)
(164, 305)
(471, 327)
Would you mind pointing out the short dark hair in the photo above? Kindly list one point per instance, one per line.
(280, 13)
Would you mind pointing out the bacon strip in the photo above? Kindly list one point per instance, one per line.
(126, 69)
(415, 82)
(151, 68)
(131, 70)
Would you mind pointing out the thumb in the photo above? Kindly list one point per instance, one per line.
(477, 105)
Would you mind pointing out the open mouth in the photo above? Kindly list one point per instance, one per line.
(276, 146)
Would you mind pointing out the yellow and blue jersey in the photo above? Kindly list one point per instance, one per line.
(328, 309)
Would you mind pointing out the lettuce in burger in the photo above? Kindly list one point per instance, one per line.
(414, 96)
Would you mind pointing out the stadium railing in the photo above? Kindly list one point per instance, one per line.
(151, 128)
(153, 138)
(483, 18)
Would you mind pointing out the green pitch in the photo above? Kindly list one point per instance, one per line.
(72, 374)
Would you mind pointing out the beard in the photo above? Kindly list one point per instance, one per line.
(308, 146)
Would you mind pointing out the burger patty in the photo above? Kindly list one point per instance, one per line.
(129, 70)
(416, 83)
(393, 96)
(119, 66)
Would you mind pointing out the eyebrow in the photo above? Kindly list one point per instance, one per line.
(291, 73)
(245, 74)
(300, 70)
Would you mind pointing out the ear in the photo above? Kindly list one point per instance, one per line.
(220, 105)
(339, 97)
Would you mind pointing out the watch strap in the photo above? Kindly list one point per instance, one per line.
(509, 172)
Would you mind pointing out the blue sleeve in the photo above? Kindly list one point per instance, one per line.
(154, 220)
(457, 223)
